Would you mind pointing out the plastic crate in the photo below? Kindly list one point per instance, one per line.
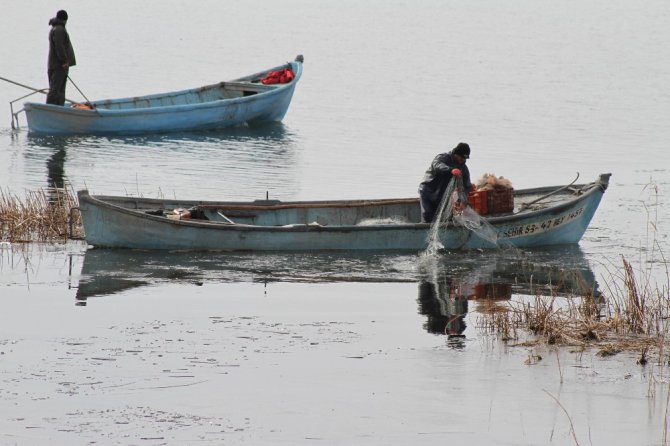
(478, 201)
(500, 201)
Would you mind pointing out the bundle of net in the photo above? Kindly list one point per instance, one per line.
(455, 211)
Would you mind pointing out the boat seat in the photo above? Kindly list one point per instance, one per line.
(314, 224)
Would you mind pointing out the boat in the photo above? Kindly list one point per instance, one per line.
(248, 100)
(542, 216)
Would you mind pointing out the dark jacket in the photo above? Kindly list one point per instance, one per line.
(60, 47)
(438, 176)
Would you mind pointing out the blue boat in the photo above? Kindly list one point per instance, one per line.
(542, 216)
(247, 100)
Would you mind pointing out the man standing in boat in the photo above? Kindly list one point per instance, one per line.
(61, 58)
(444, 167)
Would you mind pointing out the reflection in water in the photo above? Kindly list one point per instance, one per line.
(56, 146)
(56, 169)
(275, 132)
(229, 161)
(448, 282)
(444, 308)
(110, 271)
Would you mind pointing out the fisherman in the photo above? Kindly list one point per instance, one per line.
(444, 167)
(61, 58)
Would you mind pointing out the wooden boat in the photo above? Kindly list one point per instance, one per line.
(225, 104)
(542, 217)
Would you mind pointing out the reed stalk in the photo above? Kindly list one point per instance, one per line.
(632, 314)
(42, 216)
(630, 318)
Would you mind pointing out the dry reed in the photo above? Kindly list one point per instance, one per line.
(633, 314)
(43, 216)
(630, 317)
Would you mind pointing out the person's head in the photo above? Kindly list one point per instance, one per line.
(62, 15)
(461, 152)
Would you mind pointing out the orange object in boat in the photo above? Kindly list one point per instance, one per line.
(479, 201)
(82, 106)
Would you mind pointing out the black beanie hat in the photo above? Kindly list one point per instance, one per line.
(62, 15)
(462, 149)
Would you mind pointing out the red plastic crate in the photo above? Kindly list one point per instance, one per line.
(478, 201)
(500, 200)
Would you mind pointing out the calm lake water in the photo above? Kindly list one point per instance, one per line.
(540, 90)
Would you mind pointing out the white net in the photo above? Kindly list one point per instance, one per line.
(471, 220)
(453, 211)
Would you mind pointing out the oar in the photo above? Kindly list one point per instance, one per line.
(36, 90)
(80, 92)
(524, 206)
(89, 103)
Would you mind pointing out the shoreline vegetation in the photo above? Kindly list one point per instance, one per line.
(632, 314)
(42, 216)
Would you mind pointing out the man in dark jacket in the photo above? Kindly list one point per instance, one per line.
(442, 169)
(61, 58)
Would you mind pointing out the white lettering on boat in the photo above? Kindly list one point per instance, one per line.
(540, 227)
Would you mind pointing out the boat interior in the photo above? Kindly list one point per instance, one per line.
(260, 213)
(339, 213)
(395, 211)
(209, 93)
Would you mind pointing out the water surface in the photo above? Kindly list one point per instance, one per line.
(298, 348)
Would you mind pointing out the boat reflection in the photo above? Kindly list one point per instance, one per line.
(110, 271)
(449, 283)
(276, 132)
(273, 134)
(206, 163)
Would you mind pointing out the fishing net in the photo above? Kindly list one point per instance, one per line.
(471, 220)
(454, 211)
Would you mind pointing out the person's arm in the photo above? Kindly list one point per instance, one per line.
(466, 179)
(60, 41)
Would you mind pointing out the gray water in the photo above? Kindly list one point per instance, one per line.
(540, 90)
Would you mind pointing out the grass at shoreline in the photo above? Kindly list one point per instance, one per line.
(633, 315)
(43, 216)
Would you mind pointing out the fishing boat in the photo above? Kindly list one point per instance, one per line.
(259, 97)
(542, 216)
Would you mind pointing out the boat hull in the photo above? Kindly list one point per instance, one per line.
(188, 110)
(122, 222)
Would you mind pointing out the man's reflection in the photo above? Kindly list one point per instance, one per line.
(445, 306)
(445, 302)
(448, 283)
(56, 178)
(56, 169)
